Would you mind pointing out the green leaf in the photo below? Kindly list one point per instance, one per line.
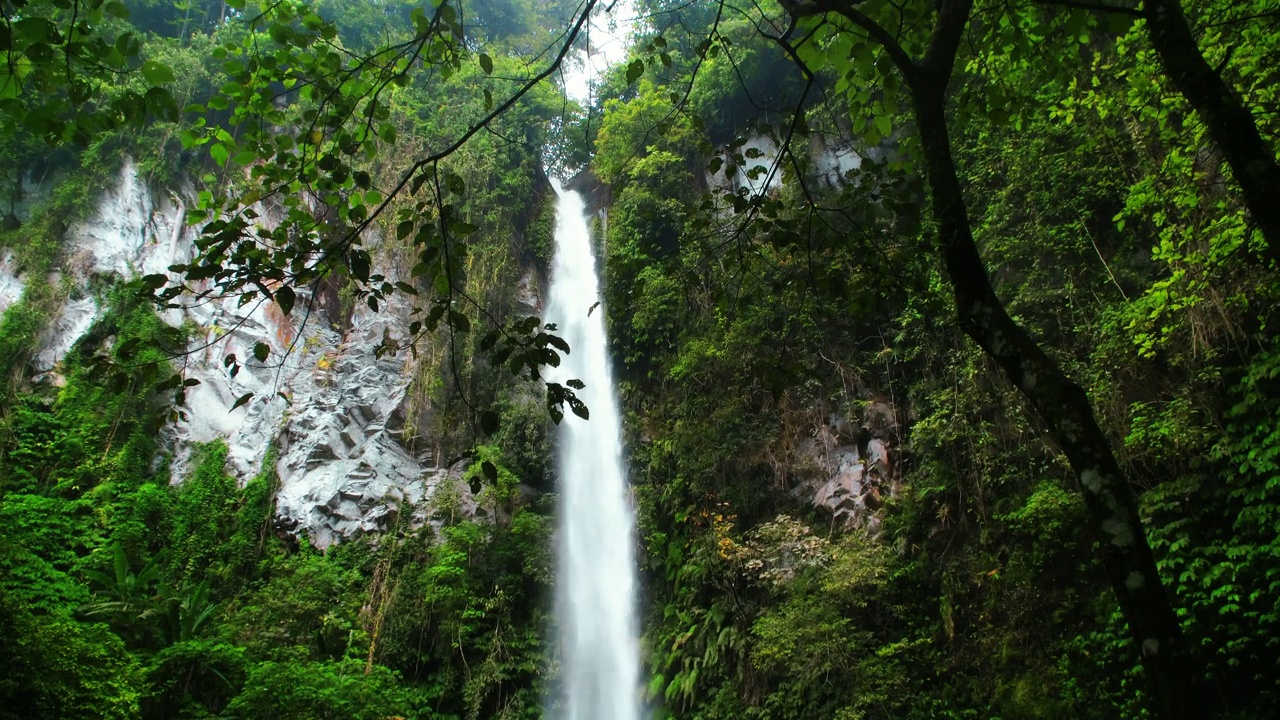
(634, 71)
(157, 73)
(160, 103)
(261, 351)
(884, 124)
(10, 85)
(462, 228)
(489, 422)
(486, 64)
(242, 400)
(219, 153)
(558, 342)
(285, 298)
(359, 262)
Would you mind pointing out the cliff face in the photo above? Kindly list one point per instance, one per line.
(334, 412)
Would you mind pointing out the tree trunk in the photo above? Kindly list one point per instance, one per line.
(1229, 122)
(1175, 679)
(1061, 404)
(1064, 407)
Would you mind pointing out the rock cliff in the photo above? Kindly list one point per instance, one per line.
(333, 410)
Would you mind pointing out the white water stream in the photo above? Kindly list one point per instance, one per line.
(596, 588)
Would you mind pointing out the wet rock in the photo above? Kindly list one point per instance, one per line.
(11, 282)
(346, 438)
(881, 420)
(450, 498)
(877, 457)
(72, 321)
(382, 517)
(527, 298)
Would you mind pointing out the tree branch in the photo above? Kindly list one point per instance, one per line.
(817, 8)
(1251, 157)
(1092, 7)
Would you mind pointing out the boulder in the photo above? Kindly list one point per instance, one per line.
(849, 466)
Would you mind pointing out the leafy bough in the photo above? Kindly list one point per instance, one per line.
(305, 117)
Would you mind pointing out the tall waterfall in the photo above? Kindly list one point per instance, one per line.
(596, 585)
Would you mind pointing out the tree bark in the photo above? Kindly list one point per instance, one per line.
(1064, 407)
(1061, 404)
(1228, 121)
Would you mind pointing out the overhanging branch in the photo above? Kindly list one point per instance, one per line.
(846, 8)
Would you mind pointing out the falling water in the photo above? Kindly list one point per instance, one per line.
(595, 593)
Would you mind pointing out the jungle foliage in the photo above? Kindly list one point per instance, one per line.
(1115, 226)
(126, 596)
(122, 595)
(759, 320)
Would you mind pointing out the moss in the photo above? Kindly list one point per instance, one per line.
(206, 500)
(38, 243)
(540, 233)
(19, 329)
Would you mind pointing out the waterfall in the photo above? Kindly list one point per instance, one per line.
(596, 587)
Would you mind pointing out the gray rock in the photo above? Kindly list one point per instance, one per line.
(527, 298)
(881, 419)
(848, 481)
(334, 410)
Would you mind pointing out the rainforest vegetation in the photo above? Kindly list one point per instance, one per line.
(1041, 306)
